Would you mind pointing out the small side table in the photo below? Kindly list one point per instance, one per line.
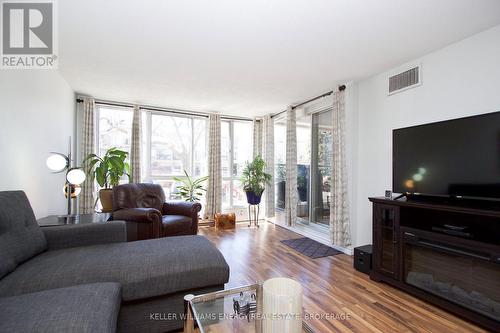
(59, 220)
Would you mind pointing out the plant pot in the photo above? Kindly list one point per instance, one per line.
(252, 198)
(106, 197)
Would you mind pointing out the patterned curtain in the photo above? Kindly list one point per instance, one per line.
(291, 169)
(86, 198)
(339, 207)
(268, 156)
(135, 147)
(214, 188)
(257, 138)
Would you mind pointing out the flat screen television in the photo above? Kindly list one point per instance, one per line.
(456, 158)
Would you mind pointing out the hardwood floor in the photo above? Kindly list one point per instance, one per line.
(337, 297)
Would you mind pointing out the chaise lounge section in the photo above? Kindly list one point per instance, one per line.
(145, 278)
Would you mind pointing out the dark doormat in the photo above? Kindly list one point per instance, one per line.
(310, 248)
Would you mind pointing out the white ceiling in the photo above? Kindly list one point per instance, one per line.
(249, 57)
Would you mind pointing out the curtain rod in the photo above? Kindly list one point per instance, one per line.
(153, 108)
(341, 88)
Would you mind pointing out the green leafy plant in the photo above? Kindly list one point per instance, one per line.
(107, 170)
(191, 189)
(254, 178)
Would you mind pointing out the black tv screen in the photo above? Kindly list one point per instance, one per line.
(457, 158)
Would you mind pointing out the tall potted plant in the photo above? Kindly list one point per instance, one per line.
(254, 180)
(107, 171)
(191, 189)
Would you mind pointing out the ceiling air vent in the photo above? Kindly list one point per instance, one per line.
(405, 80)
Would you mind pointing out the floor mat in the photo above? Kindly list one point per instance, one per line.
(310, 248)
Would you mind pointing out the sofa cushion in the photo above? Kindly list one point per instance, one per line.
(20, 235)
(91, 308)
(144, 268)
(176, 223)
(7, 265)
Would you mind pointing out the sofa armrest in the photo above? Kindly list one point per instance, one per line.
(185, 208)
(60, 237)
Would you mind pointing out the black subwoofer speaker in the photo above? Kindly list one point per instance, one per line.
(363, 259)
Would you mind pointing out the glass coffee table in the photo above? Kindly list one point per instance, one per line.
(232, 310)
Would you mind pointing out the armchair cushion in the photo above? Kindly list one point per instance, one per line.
(91, 308)
(20, 235)
(61, 237)
(177, 224)
(144, 269)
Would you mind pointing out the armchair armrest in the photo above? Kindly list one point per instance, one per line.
(61, 237)
(185, 208)
(137, 214)
(141, 215)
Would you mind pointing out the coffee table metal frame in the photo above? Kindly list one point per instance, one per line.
(191, 316)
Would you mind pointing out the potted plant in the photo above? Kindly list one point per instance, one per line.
(191, 189)
(107, 171)
(254, 180)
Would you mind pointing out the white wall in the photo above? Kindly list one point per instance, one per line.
(460, 80)
(36, 117)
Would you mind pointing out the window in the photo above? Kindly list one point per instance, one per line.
(171, 145)
(174, 143)
(236, 150)
(115, 128)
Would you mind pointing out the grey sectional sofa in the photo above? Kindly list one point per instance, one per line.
(86, 278)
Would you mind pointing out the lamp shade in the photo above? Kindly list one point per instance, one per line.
(75, 176)
(57, 162)
(282, 307)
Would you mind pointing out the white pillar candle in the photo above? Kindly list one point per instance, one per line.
(282, 306)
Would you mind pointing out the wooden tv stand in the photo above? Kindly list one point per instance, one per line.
(445, 254)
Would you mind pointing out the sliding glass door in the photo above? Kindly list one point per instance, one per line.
(321, 167)
(314, 166)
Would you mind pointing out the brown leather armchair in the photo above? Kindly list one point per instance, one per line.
(147, 215)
